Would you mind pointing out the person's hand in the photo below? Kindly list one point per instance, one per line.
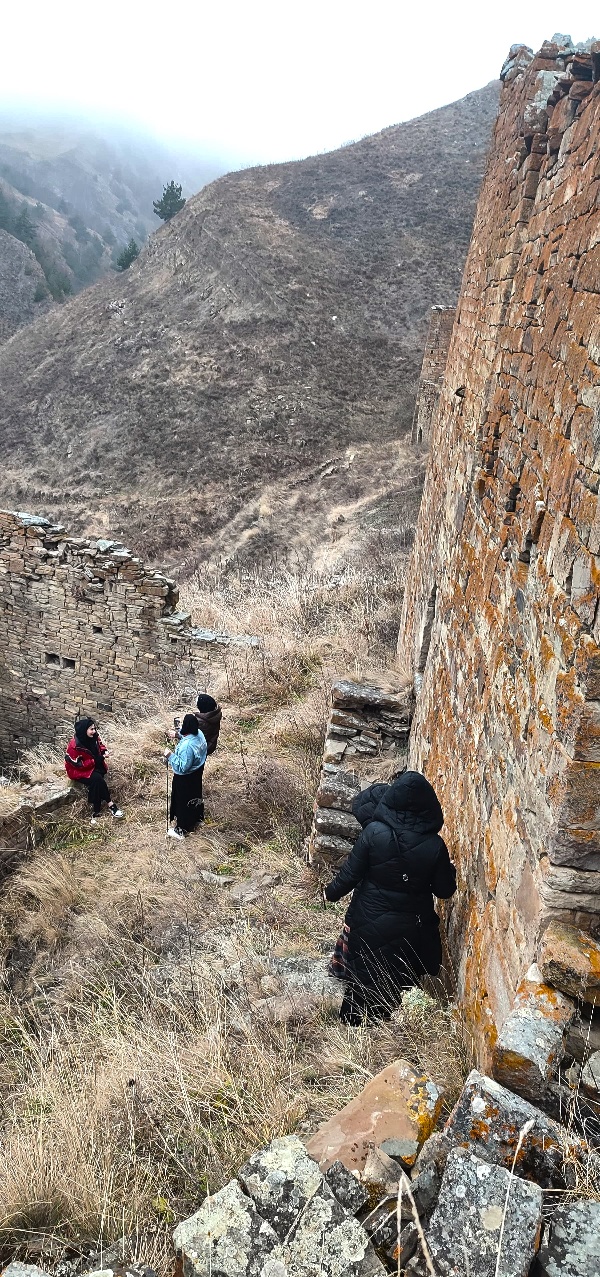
(167, 754)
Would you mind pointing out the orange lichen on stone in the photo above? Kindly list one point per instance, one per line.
(507, 721)
(569, 960)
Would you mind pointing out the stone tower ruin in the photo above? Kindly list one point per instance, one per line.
(501, 623)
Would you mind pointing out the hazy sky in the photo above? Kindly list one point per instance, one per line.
(259, 80)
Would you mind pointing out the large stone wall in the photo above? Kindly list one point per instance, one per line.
(435, 354)
(84, 627)
(501, 623)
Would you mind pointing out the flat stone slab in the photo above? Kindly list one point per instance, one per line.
(476, 1216)
(530, 1045)
(349, 695)
(488, 1119)
(571, 1241)
(251, 890)
(569, 960)
(17, 1269)
(397, 1104)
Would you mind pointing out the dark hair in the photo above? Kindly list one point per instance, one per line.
(205, 703)
(189, 727)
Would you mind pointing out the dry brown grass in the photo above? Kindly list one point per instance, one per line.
(134, 1075)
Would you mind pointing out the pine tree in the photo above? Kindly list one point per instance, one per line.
(127, 256)
(170, 202)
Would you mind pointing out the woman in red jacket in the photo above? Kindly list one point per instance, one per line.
(85, 763)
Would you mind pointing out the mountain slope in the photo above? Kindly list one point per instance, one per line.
(75, 195)
(272, 325)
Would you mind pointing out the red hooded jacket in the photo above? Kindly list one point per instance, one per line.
(83, 769)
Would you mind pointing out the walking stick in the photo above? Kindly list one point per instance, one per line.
(167, 771)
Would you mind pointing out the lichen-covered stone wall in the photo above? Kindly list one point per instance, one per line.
(501, 623)
(435, 354)
(84, 627)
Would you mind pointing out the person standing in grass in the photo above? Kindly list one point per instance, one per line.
(85, 762)
(397, 866)
(209, 715)
(187, 764)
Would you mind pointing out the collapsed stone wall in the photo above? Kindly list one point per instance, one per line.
(84, 627)
(501, 621)
(435, 354)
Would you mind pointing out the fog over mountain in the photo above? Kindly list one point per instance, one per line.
(73, 193)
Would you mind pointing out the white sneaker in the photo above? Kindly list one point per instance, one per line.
(175, 833)
(116, 813)
(94, 820)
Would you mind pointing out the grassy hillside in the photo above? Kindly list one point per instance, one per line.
(265, 335)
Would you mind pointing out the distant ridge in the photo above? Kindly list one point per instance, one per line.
(277, 321)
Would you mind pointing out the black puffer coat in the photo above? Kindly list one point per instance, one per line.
(398, 864)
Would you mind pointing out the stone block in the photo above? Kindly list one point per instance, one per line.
(281, 1179)
(590, 1076)
(361, 696)
(380, 1172)
(18, 1269)
(225, 1238)
(569, 960)
(488, 1120)
(339, 823)
(346, 1187)
(571, 1241)
(333, 792)
(316, 1233)
(477, 1216)
(531, 1042)
(397, 1103)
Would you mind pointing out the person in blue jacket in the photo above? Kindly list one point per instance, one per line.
(187, 763)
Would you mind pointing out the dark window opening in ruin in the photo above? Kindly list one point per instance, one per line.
(426, 640)
(173, 640)
(420, 436)
(96, 629)
(52, 658)
(67, 663)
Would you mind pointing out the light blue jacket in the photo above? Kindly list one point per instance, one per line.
(189, 754)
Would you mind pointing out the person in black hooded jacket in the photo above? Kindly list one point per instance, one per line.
(397, 865)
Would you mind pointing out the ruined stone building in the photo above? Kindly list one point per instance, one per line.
(501, 623)
(84, 627)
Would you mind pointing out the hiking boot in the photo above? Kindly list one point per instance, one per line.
(115, 812)
(176, 833)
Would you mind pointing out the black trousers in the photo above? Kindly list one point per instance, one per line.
(187, 807)
(98, 791)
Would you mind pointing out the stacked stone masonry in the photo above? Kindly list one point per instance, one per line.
(439, 332)
(84, 627)
(368, 726)
(501, 620)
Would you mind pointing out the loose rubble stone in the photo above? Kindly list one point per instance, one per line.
(571, 1241)
(569, 959)
(281, 1179)
(251, 890)
(287, 1008)
(225, 1238)
(405, 1247)
(396, 1103)
(346, 1187)
(590, 1075)
(340, 823)
(380, 1172)
(327, 1241)
(402, 1150)
(531, 1042)
(17, 1269)
(583, 1038)
(466, 1225)
(488, 1119)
